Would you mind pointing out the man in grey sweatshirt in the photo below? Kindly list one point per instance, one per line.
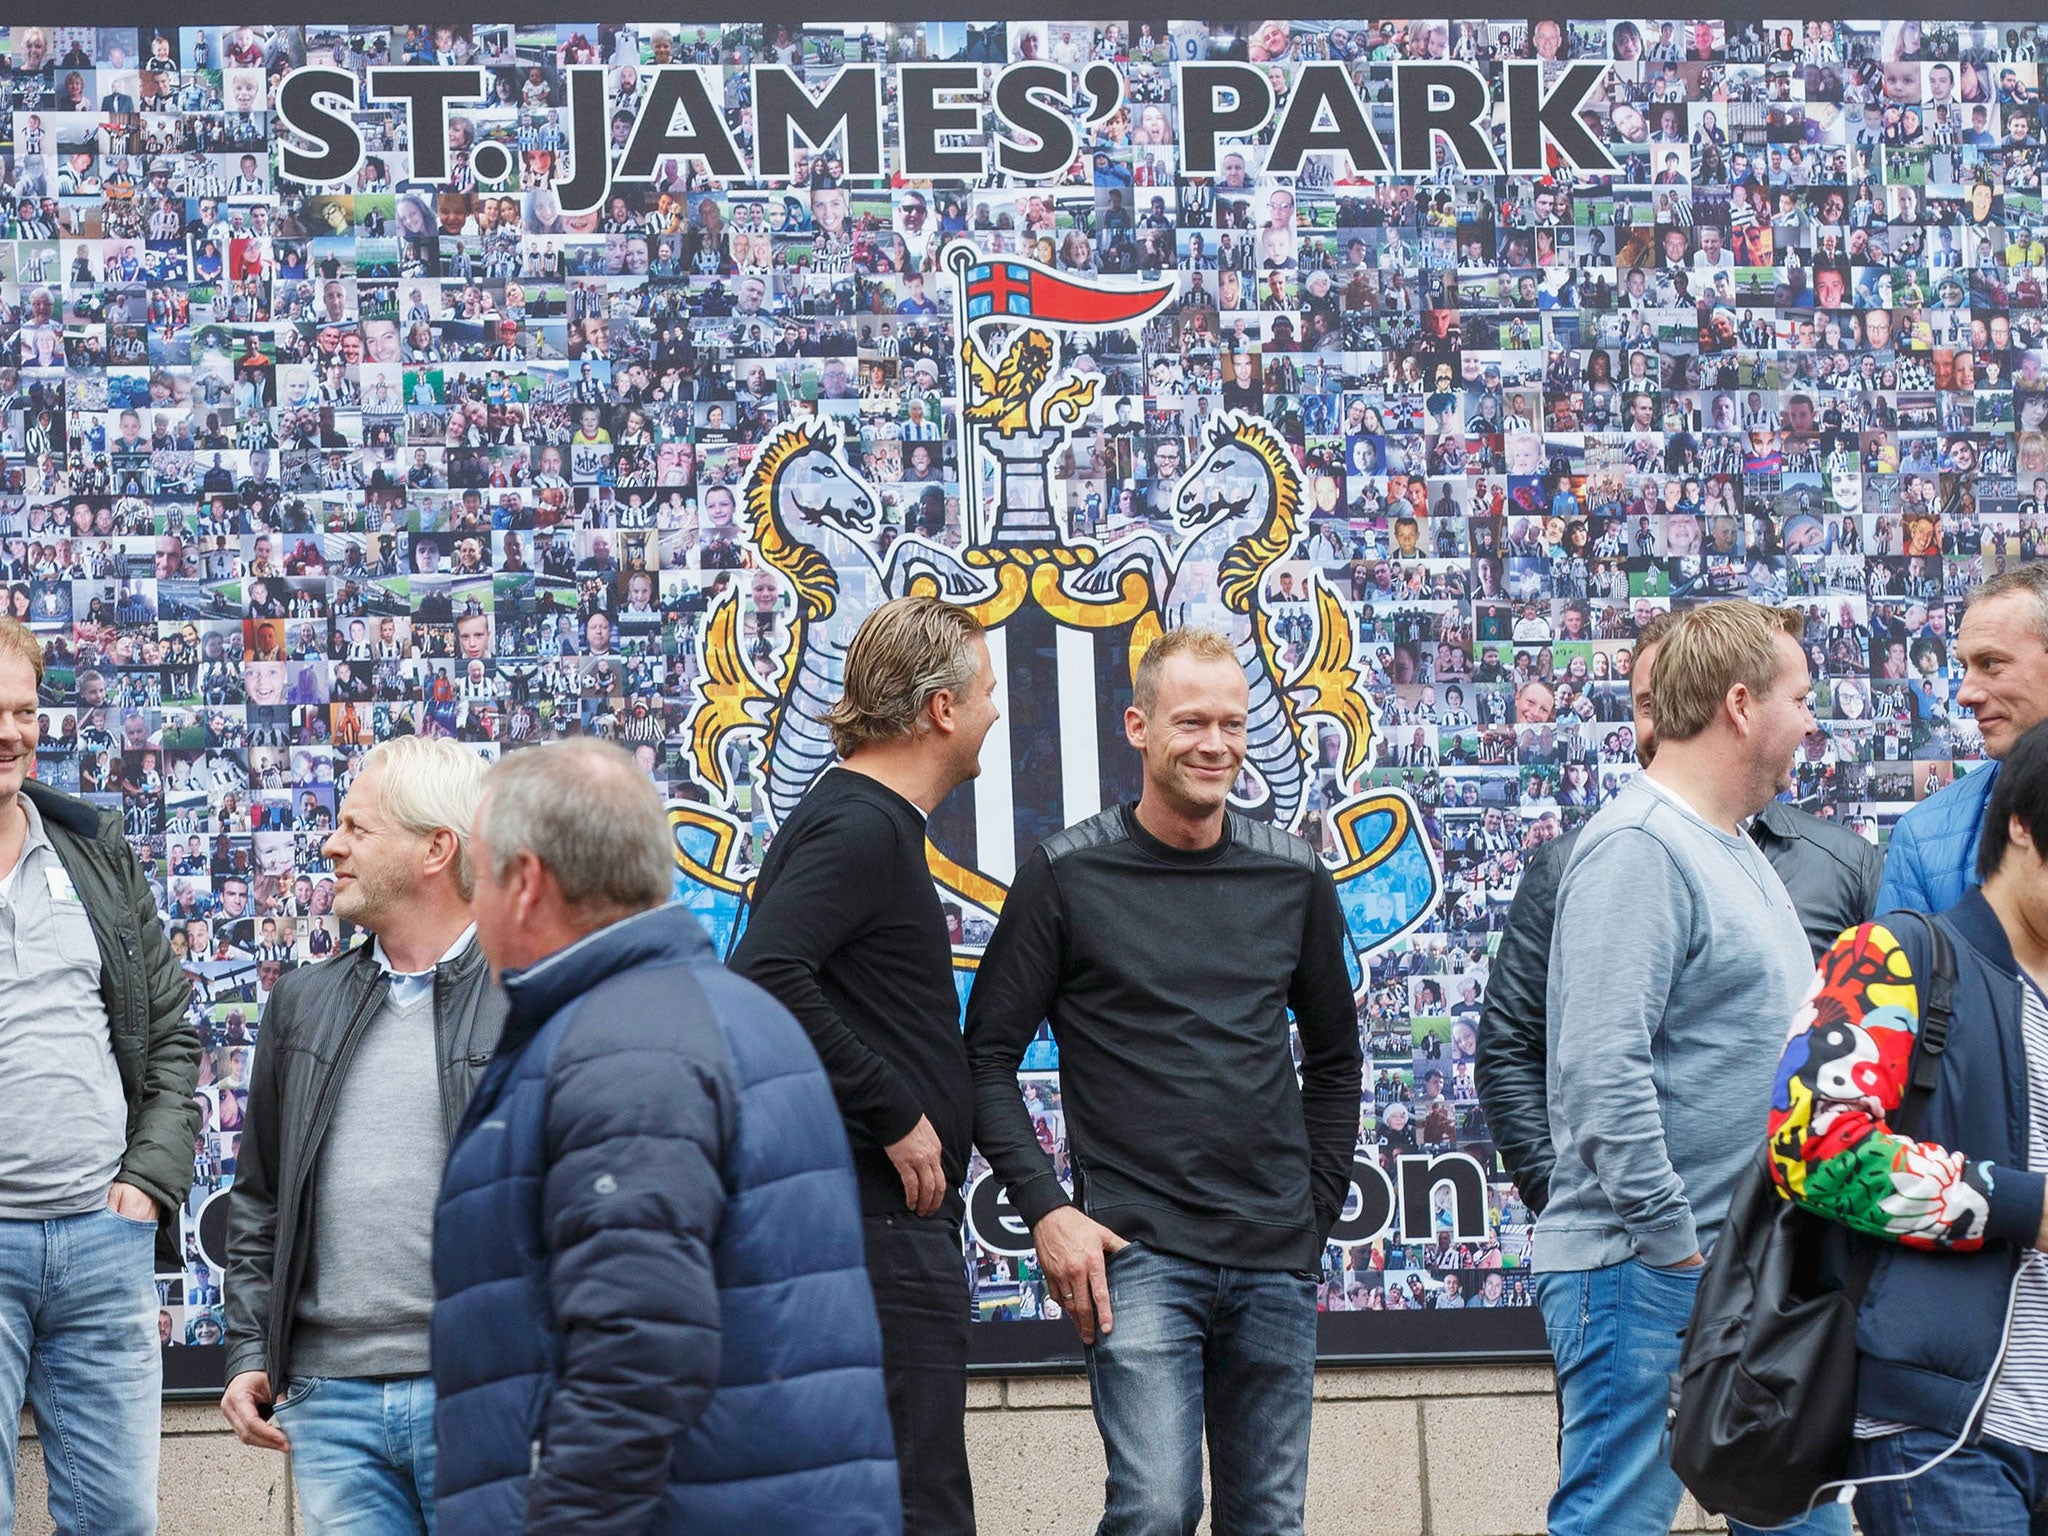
(1676, 957)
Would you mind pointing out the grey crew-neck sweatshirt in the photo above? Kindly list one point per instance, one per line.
(1675, 968)
(369, 1293)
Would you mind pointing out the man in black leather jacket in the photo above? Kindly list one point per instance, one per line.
(1831, 874)
(364, 1065)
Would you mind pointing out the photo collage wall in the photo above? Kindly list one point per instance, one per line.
(292, 469)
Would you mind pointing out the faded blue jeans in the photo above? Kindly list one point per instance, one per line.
(78, 1337)
(1197, 1346)
(362, 1453)
(1614, 1335)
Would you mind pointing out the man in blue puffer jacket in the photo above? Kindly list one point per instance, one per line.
(2003, 642)
(652, 1314)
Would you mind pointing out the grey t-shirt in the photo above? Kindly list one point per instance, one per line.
(369, 1295)
(1675, 968)
(63, 1117)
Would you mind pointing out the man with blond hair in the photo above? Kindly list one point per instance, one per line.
(97, 1066)
(1207, 1175)
(846, 932)
(365, 1066)
(1677, 952)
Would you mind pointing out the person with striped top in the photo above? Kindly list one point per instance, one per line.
(1951, 1219)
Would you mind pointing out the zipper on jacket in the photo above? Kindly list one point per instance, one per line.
(448, 1064)
(134, 999)
(138, 1000)
(351, 1037)
(442, 1061)
(2026, 1136)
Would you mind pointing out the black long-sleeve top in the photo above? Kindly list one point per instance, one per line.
(1167, 976)
(845, 929)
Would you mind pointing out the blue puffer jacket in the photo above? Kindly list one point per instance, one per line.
(1932, 859)
(652, 1313)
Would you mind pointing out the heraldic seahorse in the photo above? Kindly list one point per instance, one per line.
(1243, 503)
(809, 516)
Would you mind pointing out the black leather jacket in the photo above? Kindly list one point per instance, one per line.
(311, 1027)
(1830, 872)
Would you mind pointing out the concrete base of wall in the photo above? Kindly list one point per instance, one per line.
(210, 1483)
(1406, 1451)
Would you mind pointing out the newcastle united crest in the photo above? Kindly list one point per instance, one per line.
(1071, 600)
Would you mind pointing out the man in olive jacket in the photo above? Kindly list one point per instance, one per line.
(97, 1119)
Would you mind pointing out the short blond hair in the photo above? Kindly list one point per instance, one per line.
(904, 653)
(430, 783)
(17, 639)
(1195, 644)
(1707, 652)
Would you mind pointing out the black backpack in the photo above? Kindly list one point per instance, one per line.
(1763, 1405)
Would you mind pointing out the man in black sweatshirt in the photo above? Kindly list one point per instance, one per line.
(846, 931)
(1167, 942)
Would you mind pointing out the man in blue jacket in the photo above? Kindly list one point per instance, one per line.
(652, 1315)
(2003, 643)
(1952, 1331)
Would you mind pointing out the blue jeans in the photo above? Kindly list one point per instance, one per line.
(78, 1338)
(1195, 1346)
(1614, 1335)
(1989, 1488)
(362, 1453)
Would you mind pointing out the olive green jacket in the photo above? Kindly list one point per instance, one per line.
(145, 992)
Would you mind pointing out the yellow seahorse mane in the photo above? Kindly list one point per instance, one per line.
(1238, 576)
(817, 588)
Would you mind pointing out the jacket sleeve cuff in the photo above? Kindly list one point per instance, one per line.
(1038, 1197)
(1672, 1243)
(2015, 1200)
(246, 1356)
(131, 1173)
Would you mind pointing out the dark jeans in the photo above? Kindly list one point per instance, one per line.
(1196, 1345)
(1989, 1488)
(920, 1280)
